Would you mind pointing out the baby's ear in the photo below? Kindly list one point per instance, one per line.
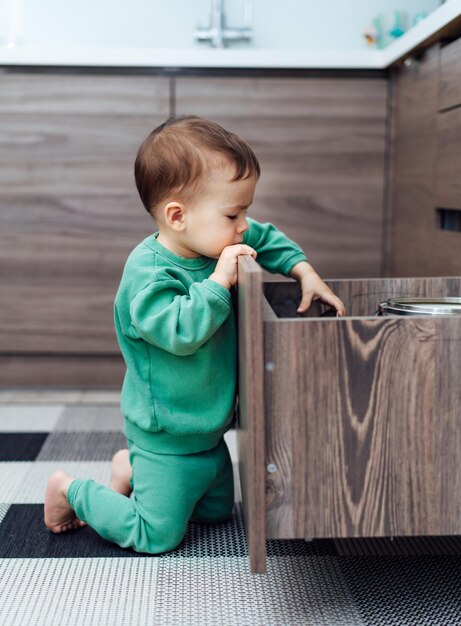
(174, 215)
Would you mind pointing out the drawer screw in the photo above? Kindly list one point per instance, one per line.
(270, 366)
(271, 468)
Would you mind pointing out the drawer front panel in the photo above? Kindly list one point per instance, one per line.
(363, 421)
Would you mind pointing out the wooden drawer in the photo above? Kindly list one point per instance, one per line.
(450, 75)
(349, 427)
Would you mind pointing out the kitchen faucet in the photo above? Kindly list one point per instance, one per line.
(217, 33)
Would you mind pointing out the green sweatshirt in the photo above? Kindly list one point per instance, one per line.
(177, 334)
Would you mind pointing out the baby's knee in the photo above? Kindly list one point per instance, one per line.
(121, 457)
(209, 515)
(155, 539)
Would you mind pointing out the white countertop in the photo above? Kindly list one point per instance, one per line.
(235, 58)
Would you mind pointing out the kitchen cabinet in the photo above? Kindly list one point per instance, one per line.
(425, 165)
(448, 166)
(349, 427)
(69, 216)
(414, 142)
(321, 144)
(450, 75)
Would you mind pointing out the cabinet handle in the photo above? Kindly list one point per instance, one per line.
(449, 219)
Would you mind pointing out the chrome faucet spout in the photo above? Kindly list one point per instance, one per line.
(217, 12)
(217, 33)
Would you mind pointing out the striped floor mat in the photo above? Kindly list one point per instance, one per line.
(78, 579)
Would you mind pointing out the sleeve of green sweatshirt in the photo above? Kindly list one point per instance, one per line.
(276, 252)
(180, 323)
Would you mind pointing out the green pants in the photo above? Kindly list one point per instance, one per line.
(168, 491)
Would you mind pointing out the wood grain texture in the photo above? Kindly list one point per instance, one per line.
(447, 431)
(82, 94)
(56, 241)
(450, 75)
(448, 178)
(69, 210)
(322, 157)
(363, 417)
(61, 260)
(61, 371)
(413, 223)
(268, 97)
(69, 318)
(250, 435)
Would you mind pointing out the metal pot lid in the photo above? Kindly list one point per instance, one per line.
(424, 306)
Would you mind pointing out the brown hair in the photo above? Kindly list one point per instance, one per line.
(178, 153)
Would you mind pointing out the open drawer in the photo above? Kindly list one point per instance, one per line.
(348, 427)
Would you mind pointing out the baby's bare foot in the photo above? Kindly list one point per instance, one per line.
(59, 516)
(120, 473)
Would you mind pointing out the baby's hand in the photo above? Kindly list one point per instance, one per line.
(313, 288)
(226, 269)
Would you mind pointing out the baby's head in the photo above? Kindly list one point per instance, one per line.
(181, 153)
(191, 174)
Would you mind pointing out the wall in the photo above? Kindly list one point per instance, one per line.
(292, 24)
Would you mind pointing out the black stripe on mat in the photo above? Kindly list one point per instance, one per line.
(405, 590)
(399, 546)
(21, 446)
(23, 535)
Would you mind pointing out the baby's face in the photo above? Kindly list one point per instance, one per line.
(217, 217)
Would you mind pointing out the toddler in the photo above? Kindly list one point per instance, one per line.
(176, 328)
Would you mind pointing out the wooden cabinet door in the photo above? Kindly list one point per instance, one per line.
(321, 145)
(69, 216)
(450, 75)
(413, 161)
(425, 166)
(448, 170)
(447, 242)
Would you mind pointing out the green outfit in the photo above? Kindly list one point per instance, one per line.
(177, 333)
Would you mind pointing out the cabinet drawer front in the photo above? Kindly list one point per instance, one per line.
(450, 75)
(362, 420)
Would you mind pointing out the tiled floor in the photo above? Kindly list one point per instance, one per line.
(79, 579)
